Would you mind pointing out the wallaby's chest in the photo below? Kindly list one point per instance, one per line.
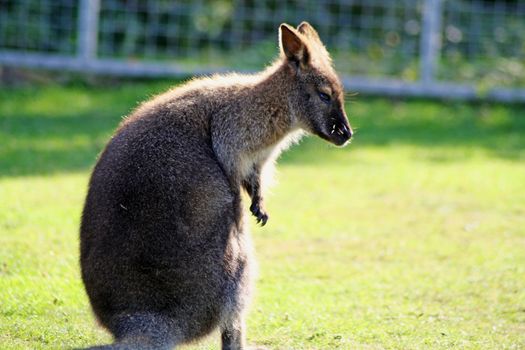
(256, 159)
(251, 160)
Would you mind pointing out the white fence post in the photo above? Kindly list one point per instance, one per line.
(88, 29)
(430, 39)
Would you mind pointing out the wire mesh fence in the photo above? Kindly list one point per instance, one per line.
(446, 48)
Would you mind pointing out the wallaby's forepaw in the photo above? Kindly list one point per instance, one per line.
(259, 213)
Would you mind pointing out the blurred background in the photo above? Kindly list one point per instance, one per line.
(442, 48)
(412, 237)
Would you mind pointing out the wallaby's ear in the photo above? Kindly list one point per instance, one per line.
(293, 46)
(307, 30)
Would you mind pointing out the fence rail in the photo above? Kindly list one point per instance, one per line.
(462, 49)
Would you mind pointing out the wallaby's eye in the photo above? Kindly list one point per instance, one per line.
(324, 97)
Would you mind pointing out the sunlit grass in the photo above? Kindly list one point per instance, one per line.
(411, 238)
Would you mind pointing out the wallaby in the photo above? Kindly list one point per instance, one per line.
(165, 252)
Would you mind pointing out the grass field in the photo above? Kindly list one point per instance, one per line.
(411, 238)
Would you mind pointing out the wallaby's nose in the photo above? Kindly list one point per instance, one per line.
(347, 131)
(346, 128)
(341, 131)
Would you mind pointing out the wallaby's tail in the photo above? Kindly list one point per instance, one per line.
(114, 347)
(130, 346)
(123, 346)
(142, 331)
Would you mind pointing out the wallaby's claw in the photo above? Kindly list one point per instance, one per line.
(262, 219)
(260, 214)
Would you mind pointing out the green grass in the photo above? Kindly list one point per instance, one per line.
(411, 238)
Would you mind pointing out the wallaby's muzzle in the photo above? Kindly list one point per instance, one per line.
(338, 130)
(339, 133)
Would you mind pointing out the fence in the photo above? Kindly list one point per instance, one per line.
(466, 49)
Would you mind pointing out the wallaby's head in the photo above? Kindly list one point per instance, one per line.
(315, 95)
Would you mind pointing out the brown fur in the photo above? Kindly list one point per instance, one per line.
(165, 253)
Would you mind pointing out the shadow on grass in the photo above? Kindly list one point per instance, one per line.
(37, 146)
(49, 130)
(44, 133)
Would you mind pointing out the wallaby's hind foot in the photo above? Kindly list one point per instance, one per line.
(232, 333)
